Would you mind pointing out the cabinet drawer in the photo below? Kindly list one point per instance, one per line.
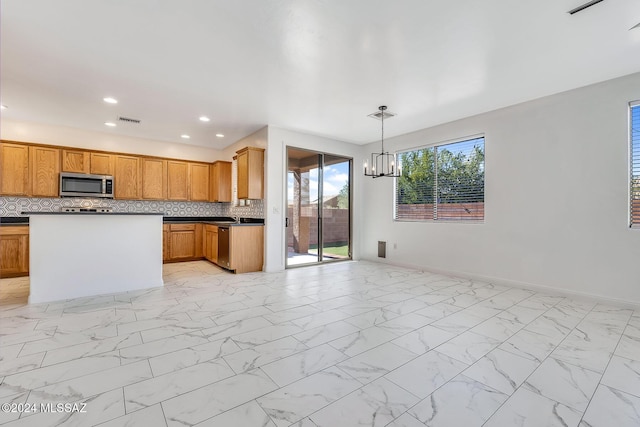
(211, 228)
(182, 227)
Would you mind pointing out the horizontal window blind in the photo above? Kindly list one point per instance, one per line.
(635, 165)
(444, 182)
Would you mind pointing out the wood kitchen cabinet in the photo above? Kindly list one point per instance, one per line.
(250, 173)
(44, 171)
(177, 180)
(246, 248)
(76, 161)
(14, 169)
(14, 251)
(220, 182)
(184, 242)
(210, 242)
(127, 177)
(166, 240)
(199, 182)
(102, 164)
(154, 179)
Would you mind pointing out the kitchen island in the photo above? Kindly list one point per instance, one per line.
(75, 255)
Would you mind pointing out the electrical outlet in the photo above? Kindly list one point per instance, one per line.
(395, 246)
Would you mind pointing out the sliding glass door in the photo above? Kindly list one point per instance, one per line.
(319, 207)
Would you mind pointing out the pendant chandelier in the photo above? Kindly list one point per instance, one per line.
(382, 163)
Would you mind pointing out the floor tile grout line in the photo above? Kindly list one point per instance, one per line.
(606, 367)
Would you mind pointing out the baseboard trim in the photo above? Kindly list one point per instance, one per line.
(634, 305)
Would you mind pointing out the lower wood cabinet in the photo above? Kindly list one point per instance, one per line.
(192, 241)
(165, 242)
(182, 242)
(14, 251)
(246, 248)
(210, 242)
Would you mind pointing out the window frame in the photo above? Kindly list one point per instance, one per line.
(632, 225)
(435, 145)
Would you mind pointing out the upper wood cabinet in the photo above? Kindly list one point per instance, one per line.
(199, 182)
(220, 182)
(75, 161)
(127, 177)
(14, 169)
(33, 170)
(177, 180)
(45, 171)
(102, 164)
(250, 173)
(154, 179)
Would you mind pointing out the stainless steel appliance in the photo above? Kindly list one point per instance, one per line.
(86, 210)
(86, 185)
(223, 246)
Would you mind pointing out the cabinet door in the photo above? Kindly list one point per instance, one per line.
(214, 245)
(127, 180)
(243, 175)
(220, 182)
(210, 243)
(45, 171)
(198, 241)
(250, 173)
(102, 164)
(206, 243)
(75, 161)
(177, 180)
(154, 179)
(14, 251)
(166, 242)
(199, 180)
(246, 248)
(14, 169)
(183, 241)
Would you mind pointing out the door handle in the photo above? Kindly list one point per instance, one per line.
(286, 222)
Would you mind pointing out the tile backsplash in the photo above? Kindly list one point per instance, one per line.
(13, 206)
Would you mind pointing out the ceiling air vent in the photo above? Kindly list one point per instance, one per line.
(128, 120)
(378, 115)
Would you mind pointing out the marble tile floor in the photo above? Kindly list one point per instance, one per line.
(338, 345)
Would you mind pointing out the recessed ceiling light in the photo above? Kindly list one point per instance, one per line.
(204, 119)
(110, 124)
(110, 100)
(219, 135)
(4, 107)
(185, 136)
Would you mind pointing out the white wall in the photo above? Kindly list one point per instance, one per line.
(556, 196)
(256, 139)
(71, 137)
(276, 188)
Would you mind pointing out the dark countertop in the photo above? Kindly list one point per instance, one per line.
(214, 220)
(14, 220)
(92, 213)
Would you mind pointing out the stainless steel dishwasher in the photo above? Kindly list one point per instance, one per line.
(223, 246)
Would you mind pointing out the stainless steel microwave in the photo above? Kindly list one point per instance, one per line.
(86, 185)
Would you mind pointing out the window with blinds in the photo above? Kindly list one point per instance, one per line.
(443, 182)
(635, 165)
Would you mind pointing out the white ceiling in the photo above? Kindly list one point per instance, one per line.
(316, 66)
